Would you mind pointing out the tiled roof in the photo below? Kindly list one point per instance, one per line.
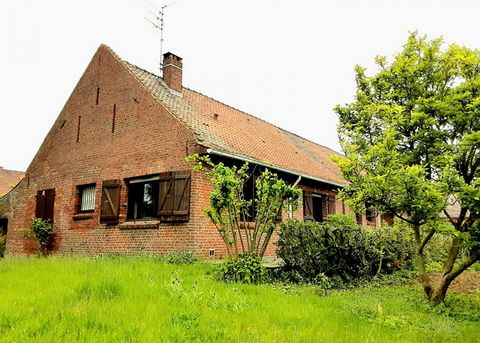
(8, 179)
(228, 130)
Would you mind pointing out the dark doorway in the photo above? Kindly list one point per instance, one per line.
(317, 202)
(3, 235)
(3, 226)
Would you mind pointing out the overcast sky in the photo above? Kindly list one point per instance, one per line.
(287, 62)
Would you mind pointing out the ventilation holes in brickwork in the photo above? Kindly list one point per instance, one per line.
(113, 117)
(63, 124)
(98, 95)
(211, 252)
(78, 128)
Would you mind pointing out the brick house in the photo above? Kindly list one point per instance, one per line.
(111, 174)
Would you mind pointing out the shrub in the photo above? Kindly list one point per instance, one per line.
(245, 268)
(43, 231)
(3, 244)
(182, 257)
(339, 247)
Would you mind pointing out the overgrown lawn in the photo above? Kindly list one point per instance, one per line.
(146, 300)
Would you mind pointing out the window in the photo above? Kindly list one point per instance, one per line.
(165, 196)
(86, 196)
(45, 201)
(143, 198)
(313, 205)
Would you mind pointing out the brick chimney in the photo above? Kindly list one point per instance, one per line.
(172, 71)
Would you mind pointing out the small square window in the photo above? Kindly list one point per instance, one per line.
(86, 198)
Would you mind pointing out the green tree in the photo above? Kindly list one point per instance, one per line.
(229, 207)
(412, 142)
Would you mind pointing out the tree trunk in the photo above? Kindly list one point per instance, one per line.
(438, 294)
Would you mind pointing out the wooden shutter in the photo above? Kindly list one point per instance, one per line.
(307, 206)
(49, 205)
(110, 206)
(174, 196)
(165, 195)
(331, 204)
(40, 204)
(45, 202)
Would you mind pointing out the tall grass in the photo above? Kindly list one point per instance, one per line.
(144, 300)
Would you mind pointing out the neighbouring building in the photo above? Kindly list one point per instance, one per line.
(9, 179)
(111, 174)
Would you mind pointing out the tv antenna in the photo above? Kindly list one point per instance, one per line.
(159, 24)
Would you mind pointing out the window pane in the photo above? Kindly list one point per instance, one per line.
(88, 198)
(142, 199)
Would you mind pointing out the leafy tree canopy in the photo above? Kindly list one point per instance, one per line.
(412, 141)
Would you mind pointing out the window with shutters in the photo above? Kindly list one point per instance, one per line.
(86, 198)
(313, 206)
(143, 198)
(44, 206)
(110, 204)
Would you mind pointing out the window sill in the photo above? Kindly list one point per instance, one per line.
(140, 224)
(83, 216)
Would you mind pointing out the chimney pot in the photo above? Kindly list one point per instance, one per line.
(172, 71)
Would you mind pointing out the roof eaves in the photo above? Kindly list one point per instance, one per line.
(272, 166)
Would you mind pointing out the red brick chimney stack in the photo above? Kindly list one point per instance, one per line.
(172, 71)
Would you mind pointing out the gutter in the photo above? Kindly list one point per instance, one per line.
(263, 164)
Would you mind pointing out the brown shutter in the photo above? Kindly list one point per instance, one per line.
(174, 196)
(40, 205)
(182, 194)
(45, 201)
(325, 209)
(110, 206)
(166, 195)
(331, 204)
(49, 205)
(307, 206)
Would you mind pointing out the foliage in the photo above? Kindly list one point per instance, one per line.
(230, 209)
(412, 141)
(43, 231)
(3, 244)
(340, 248)
(110, 300)
(245, 269)
(182, 257)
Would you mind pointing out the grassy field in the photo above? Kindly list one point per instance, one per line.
(143, 300)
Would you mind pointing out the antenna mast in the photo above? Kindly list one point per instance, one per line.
(159, 24)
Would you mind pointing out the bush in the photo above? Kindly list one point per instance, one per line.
(182, 257)
(339, 247)
(3, 244)
(43, 231)
(246, 269)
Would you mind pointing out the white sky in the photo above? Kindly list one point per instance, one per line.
(287, 62)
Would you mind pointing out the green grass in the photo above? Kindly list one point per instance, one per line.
(143, 300)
